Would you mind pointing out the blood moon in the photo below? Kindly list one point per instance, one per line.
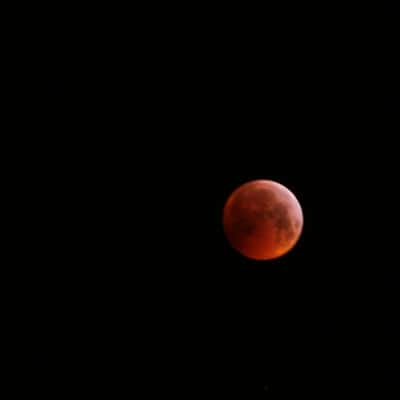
(262, 219)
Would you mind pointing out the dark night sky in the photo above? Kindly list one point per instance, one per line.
(142, 131)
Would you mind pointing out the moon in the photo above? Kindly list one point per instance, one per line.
(262, 220)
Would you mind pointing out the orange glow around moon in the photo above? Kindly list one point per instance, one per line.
(262, 220)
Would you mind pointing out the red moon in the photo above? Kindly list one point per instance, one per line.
(262, 220)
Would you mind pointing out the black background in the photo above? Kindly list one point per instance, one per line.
(138, 126)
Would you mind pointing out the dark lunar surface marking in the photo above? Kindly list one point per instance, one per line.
(260, 204)
(244, 224)
(282, 223)
(250, 207)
